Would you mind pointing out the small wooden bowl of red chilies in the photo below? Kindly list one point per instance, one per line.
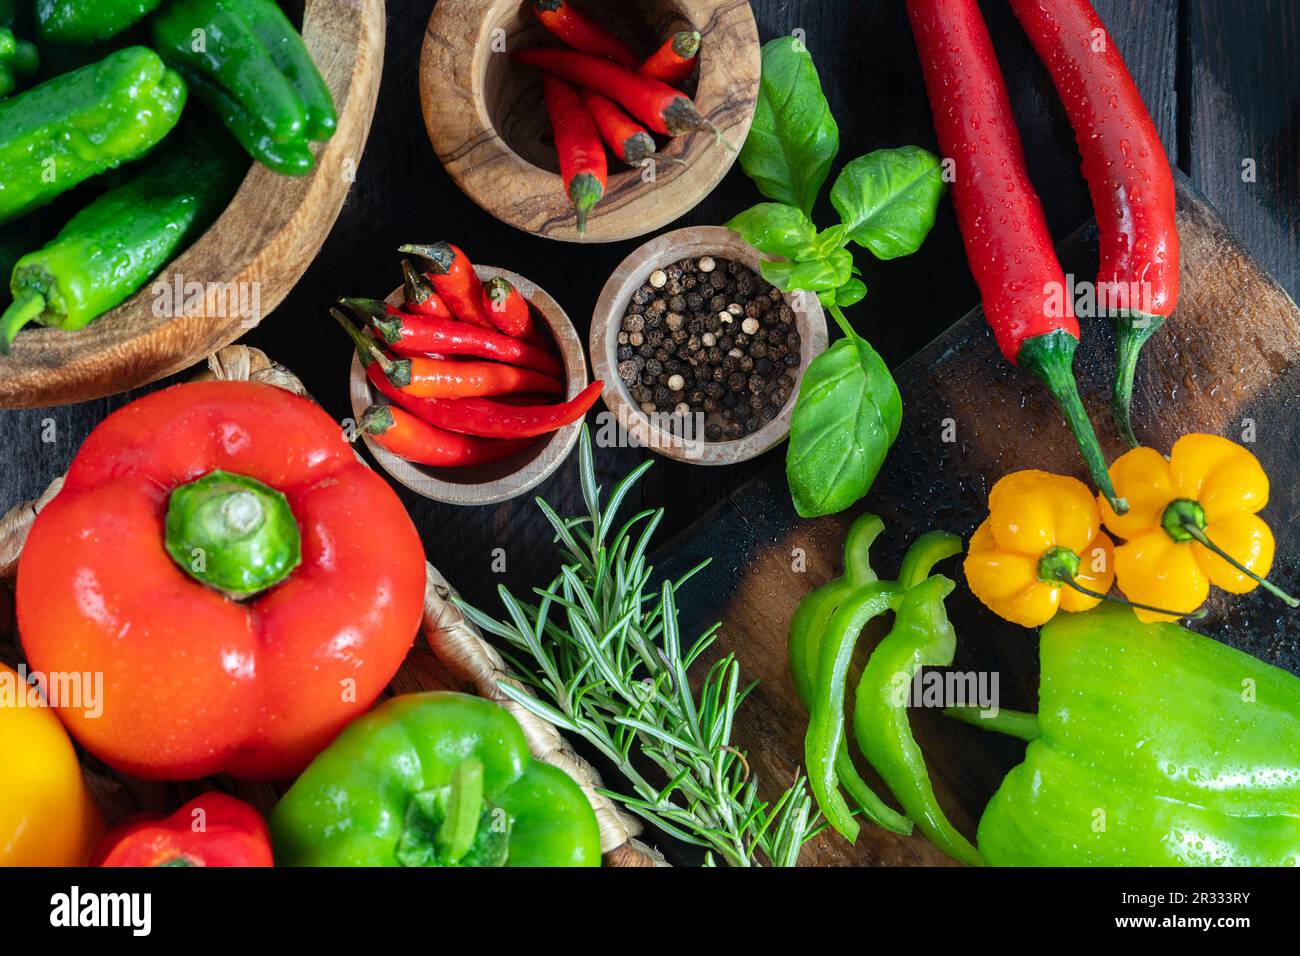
(469, 383)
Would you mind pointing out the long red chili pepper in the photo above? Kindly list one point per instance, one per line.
(419, 296)
(413, 335)
(1001, 219)
(581, 32)
(626, 138)
(417, 441)
(474, 416)
(423, 377)
(1128, 176)
(662, 108)
(582, 156)
(674, 62)
(511, 311)
(453, 277)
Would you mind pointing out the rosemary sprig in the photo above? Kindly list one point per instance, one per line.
(603, 657)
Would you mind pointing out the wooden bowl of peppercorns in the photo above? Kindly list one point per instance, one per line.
(701, 356)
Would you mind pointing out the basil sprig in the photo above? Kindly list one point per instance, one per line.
(848, 411)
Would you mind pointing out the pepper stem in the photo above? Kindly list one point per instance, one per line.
(1050, 357)
(26, 308)
(438, 256)
(456, 836)
(1132, 329)
(1189, 615)
(397, 372)
(1184, 520)
(232, 533)
(1013, 723)
(416, 289)
(585, 190)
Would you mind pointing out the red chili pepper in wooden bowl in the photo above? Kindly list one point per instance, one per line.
(626, 138)
(414, 335)
(674, 62)
(213, 829)
(243, 583)
(417, 441)
(582, 32)
(662, 108)
(419, 296)
(453, 278)
(577, 140)
(1128, 176)
(1007, 242)
(511, 311)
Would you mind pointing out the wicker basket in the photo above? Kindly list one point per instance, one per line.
(456, 658)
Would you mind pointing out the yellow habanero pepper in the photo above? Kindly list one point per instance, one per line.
(47, 816)
(1191, 523)
(1040, 549)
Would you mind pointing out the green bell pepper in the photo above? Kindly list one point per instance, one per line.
(78, 22)
(254, 72)
(78, 125)
(434, 779)
(17, 58)
(1157, 747)
(120, 241)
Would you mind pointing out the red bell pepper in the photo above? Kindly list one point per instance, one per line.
(213, 829)
(243, 583)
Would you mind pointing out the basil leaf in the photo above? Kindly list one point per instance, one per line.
(888, 198)
(793, 139)
(778, 230)
(845, 419)
(814, 275)
(851, 293)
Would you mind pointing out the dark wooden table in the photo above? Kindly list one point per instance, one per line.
(1221, 78)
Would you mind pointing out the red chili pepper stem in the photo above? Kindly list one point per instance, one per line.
(1184, 520)
(1050, 357)
(397, 371)
(375, 314)
(1132, 329)
(416, 289)
(438, 256)
(1061, 565)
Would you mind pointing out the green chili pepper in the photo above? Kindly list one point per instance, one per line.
(78, 125)
(120, 241)
(78, 22)
(434, 779)
(247, 62)
(921, 636)
(1158, 747)
(17, 58)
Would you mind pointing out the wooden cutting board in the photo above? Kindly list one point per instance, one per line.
(1228, 360)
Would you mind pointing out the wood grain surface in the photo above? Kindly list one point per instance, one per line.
(1228, 362)
(265, 240)
(487, 120)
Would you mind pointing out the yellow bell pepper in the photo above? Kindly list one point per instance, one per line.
(47, 816)
(1040, 550)
(1192, 522)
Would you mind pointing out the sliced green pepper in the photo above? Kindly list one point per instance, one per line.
(921, 636)
(78, 22)
(18, 58)
(120, 241)
(434, 779)
(1158, 747)
(78, 125)
(247, 62)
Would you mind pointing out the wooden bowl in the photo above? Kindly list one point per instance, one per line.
(510, 477)
(630, 275)
(264, 241)
(488, 123)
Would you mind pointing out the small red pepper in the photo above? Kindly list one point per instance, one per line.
(454, 279)
(577, 140)
(662, 108)
(213, 829)
(419, 296)
(414, 335)
(674, 62)
(511, 311)
(581, 32)
(417, 441)
(627, 139)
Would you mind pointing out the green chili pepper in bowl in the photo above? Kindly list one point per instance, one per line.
(78, 125)
(18, 58)
(80, 22)
(120, 241)
(434, 779)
